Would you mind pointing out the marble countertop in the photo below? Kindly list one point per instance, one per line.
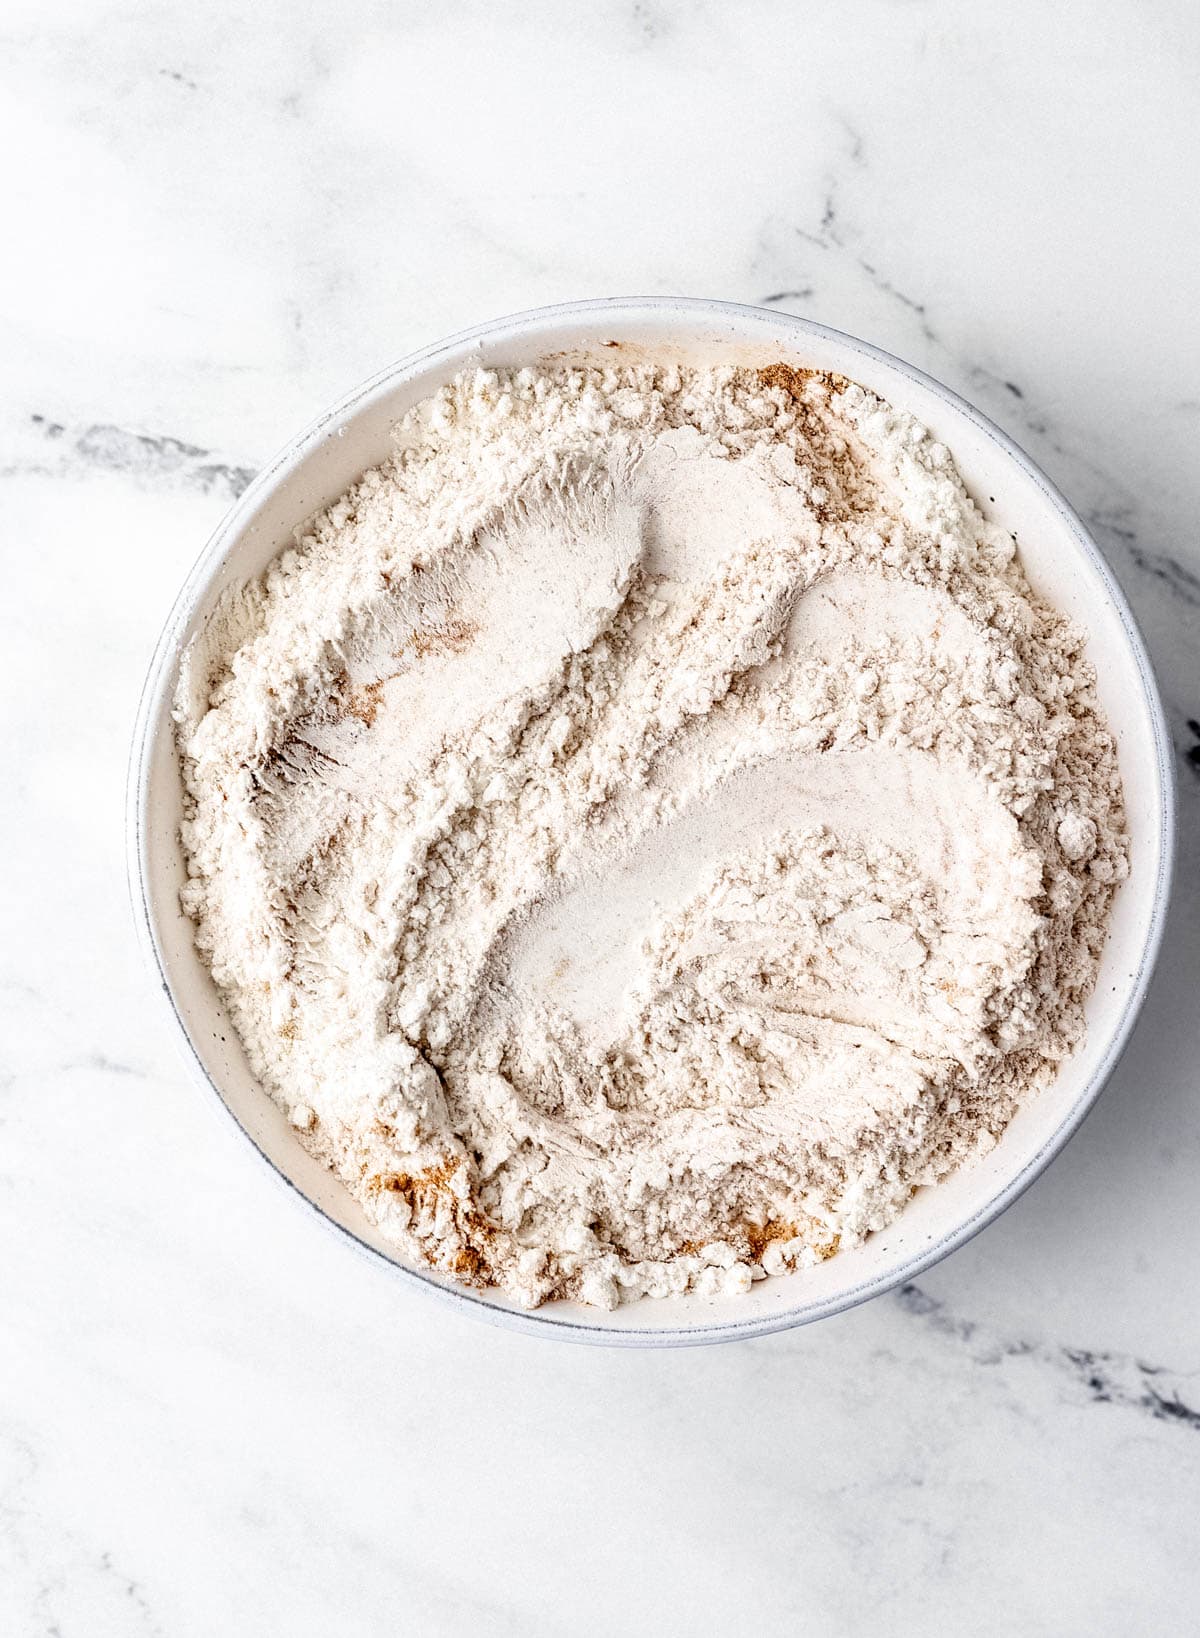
(213, 1417)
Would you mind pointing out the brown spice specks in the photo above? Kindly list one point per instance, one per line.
(364, 702)
(424, 1192)
(413, 1185)
(790, 378)
(760, 1235)
(451, 637)
(752, 1239)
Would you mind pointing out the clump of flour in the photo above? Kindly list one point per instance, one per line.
(647, 827)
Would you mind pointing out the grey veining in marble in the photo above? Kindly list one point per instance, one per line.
(213, 1418)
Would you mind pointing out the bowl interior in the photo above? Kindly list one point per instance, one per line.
(1060, 561)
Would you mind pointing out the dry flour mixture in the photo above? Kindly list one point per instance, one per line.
(648, 827)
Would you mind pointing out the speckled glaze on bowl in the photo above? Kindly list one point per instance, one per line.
(1062, 561)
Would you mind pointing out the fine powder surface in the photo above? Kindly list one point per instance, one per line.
(648, 827)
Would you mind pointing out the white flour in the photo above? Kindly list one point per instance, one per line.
(648, 827)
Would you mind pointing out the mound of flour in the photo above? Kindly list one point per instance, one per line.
(647, 827)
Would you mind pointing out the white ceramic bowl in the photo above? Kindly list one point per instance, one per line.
(1062, 561)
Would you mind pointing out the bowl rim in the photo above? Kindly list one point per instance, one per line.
(159, 678)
